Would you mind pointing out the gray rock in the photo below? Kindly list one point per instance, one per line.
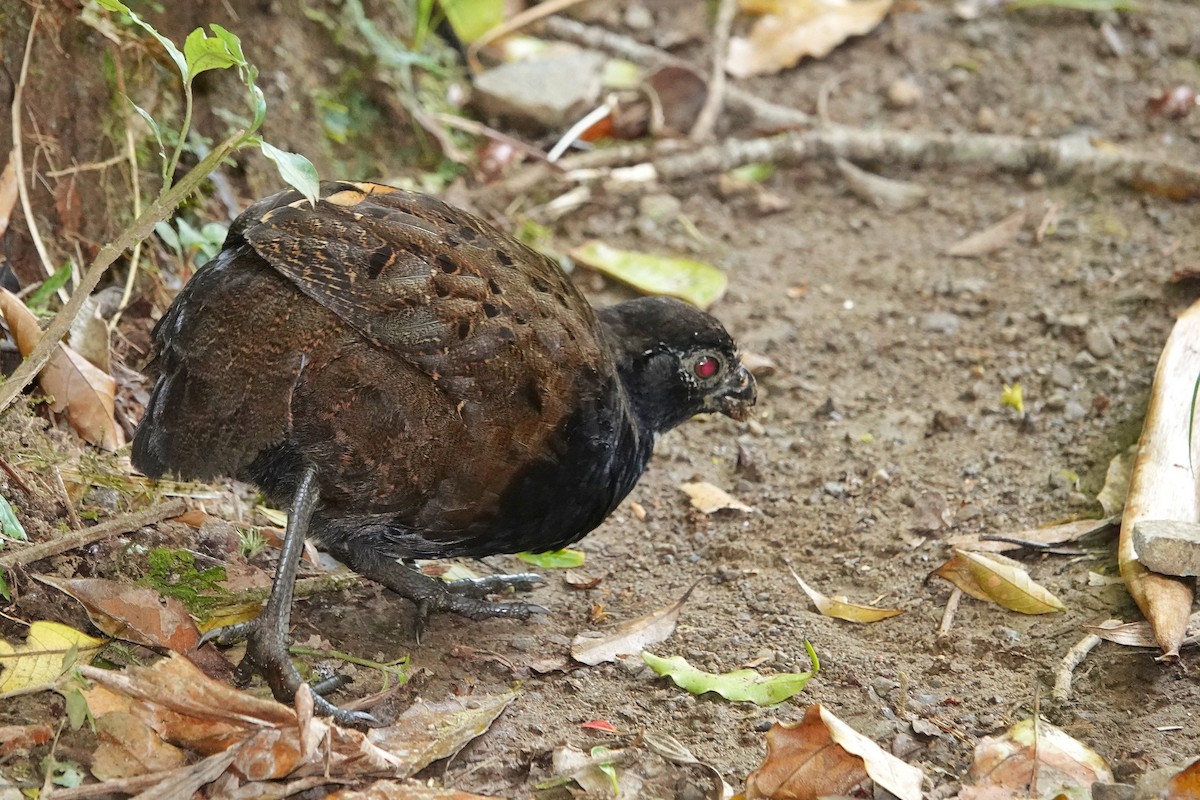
(1061, 376)
(1100, 343)
(941, 322)
(1112, 791)
(552, 92)
(1171, 547)
(1074, 411)
(638, 17)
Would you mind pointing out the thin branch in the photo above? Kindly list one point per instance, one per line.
(18, 154)
(706, 120)
(159, 210)
(1065, 673)
(113, 527)
(765, 114)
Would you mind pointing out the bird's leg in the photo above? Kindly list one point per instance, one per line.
(267, 634)
(462, 597)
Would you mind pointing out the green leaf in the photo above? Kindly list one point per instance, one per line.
(41, 295)
(10, 525)
(754, 172)
(204, 54)
(742, 684)
(4, 587)
(694, 281)
(470, 19)
(169, 236)
(144, 114)
(77, 708)
(606, 767)
(172, 50)
(294, 168)
(554, 559)
(232, 43)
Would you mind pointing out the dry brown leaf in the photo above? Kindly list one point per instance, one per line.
(1185, 785)
(1009, 585)
(1116, 481)
(1050, 536)
(708, 499)
(129, 747)
(628, 638)
(1025, 753)
(1140, 634)
(821, 755)
(132, 613)
(841, 608)
(77, 386)
(270, 740)
(958, 572)
(990, 240)
(404, 790)
(789, 31)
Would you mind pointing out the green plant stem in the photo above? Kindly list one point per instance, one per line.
(183, 132)
(160, 209)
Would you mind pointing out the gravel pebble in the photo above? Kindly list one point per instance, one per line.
(941, 322)
(1100, 343)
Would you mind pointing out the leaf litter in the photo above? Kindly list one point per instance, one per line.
(628, 638)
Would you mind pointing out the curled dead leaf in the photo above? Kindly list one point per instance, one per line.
(708, 499)
(822, 755)
(84, 392)
(841, 608)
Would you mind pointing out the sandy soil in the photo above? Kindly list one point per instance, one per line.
(892, 358)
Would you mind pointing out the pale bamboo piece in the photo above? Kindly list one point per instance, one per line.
(1163, 485)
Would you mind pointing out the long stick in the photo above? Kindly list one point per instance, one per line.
(112, 527)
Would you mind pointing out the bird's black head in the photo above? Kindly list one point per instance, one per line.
(675, 362)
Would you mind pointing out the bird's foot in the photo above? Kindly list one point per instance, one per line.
(267, 654)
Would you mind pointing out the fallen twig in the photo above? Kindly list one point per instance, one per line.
(18, 154)
(112, 527)
(1073, 156)
(1066, 156)
(1065, 673)
(948, 615)
(706, 120)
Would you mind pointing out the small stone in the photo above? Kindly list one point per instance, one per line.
(638, 17)
(1061, 377)
(986, 119)
(903, 93)
(764, 725)
(1074, 411)
(1171, 547)
(551, 91)
(523, 643)
(1112, 791)
(1084, 359)
(1056, 402)
(941, 322)
(659, 207)
(1099, 343)
(1009, 637)
(835, 489)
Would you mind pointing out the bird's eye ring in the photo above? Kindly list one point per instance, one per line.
(706, 366)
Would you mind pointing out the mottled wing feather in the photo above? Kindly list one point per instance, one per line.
(503, 342)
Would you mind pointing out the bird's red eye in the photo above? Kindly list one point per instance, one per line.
(706, 367)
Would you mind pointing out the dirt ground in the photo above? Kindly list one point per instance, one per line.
(892, 358)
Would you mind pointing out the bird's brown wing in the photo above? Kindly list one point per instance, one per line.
(501, 341)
